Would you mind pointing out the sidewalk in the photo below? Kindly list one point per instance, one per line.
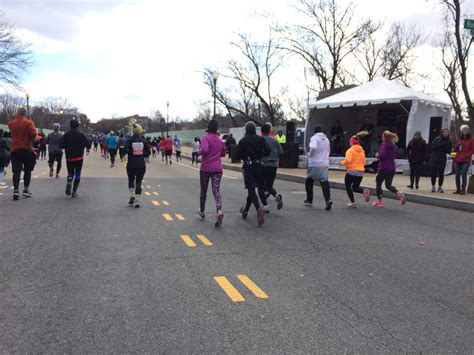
(423, 195)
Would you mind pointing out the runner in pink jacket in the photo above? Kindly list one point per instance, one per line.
(212, 151)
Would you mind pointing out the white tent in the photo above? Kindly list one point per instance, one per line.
(425, 113)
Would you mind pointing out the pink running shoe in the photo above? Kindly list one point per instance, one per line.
(367, 194)
(377, 203)
(402, 197)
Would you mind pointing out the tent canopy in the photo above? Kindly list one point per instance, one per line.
(379, 91)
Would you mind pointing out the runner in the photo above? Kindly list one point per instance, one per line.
(95, 141)
(4, 153)
(23, 133)
(122, 142)
(74, 143)
(168, 145)
(195, 152)
(112, 142)
(386, 154)
(137, 149)
(212, 151)
(162, 149)
(270, 166)
(355, 164)
(42, 146)
(318, 167)
(251, 149)
(55, 152)
(177, 146)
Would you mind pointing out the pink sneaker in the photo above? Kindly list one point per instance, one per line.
(402, 197)
(367, 194)
(377, 203)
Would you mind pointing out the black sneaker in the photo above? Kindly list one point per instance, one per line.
(131, 201)
(27, 193)
(74, 194)
(279, 201)
(308, 203)
(244, 212)
(16, 195)
(328, 205)
(68, 188)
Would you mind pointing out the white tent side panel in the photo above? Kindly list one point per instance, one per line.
(420, 117)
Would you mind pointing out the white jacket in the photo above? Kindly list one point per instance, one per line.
(319, 148)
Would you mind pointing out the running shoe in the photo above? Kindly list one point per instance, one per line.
(351, 205)
(27, 193)
(136, 203)
(244, 212)
(261, 216)
(202, 215)
(74, 194)
(308, 203)
(57, 176)
(51, 172)
(16, 195)
(219, 217)
(68, 187)
(279, 201)
(402, 197)
(328, 205)
(377, 203)
(367, 194)
(131, 202)
(266, 208)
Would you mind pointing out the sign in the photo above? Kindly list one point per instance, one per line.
(469, 24)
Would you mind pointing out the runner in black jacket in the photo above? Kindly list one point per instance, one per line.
(74, 143)
(137, 149)
(251, 149)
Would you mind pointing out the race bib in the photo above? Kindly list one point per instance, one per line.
(137, 148)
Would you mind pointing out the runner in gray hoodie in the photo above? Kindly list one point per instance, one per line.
(55, 152)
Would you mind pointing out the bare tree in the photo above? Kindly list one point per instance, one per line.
(9, 104)
(15, 56)
(329, 38)
(455, 49)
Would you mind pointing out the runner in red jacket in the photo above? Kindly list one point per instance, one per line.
(168, 145)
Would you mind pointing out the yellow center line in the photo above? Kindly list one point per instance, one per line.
(204, 240)
(147, 193)
(155, 193)
(257, 291)
(167, 217)
(180, 217)
(156, 203)
(188, 241)
(166, 203)
(229, 289)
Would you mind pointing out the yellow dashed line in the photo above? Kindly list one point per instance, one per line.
(229, 289)
(166, 203)
(147, 193)
(188, 241)
(204, 240)
(155, 193)
(257, 291)
(156, 203)
(167, 217)
(180, 217)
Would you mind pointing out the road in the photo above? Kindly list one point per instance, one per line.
(91, 275)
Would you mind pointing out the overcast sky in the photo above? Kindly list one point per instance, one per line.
(121, 57)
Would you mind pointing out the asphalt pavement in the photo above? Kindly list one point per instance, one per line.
(92, 275)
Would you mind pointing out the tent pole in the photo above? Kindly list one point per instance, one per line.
(404, 109)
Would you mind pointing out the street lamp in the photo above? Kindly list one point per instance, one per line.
(215, 76)
(167, 117)
(27, 105)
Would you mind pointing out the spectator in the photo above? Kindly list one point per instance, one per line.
(366, 141)
(464, 148)
(416, 152)
(440, 146)
(337, 134)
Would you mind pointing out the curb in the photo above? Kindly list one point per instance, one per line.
(414, 198)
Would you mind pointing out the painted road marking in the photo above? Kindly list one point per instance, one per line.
(156, 203)
(229, 289)
(180, 217)
(204, 240)
(148, 187)
(155, 193)
(147, 193)
(166, 203)
(257, 291)
(167, 217)
(188, 241)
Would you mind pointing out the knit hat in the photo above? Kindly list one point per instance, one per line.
(212, 126)
(137, 129)
(464, 126)
(74, 123)
(354, 140)
(250, 128)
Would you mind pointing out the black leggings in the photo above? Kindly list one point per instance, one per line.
(437, 172)
(252, 198)
(112, 152)
(22, 160)
(415, 173)
(309, 184)
(195, 156)
(178, 155)
(58, 157)
(386, 176)
(269, 175)
(353, 185)
(74, 169)
(135, 178)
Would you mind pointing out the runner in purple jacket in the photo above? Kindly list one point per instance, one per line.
(212, 150)
(386, 154)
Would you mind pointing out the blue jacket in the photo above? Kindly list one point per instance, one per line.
(112, 142)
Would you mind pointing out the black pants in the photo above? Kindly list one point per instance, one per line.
(74, 169)
(309, 184)
(22, 160)
(195, 156)
(121, 153)
(386, 176)
(113, 153)
(269, 175)
(437, 172)
(353, 185)
(55, 157)
(415, 173)
(135, 178)
(178, 155)
(253, 179)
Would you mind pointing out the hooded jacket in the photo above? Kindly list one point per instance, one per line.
(355, 159)
(416, 151)
(464, 148)
(74, 143)
(23, 133)
(387, 153)
(319, 148)
(212, 150)
(439, 148)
